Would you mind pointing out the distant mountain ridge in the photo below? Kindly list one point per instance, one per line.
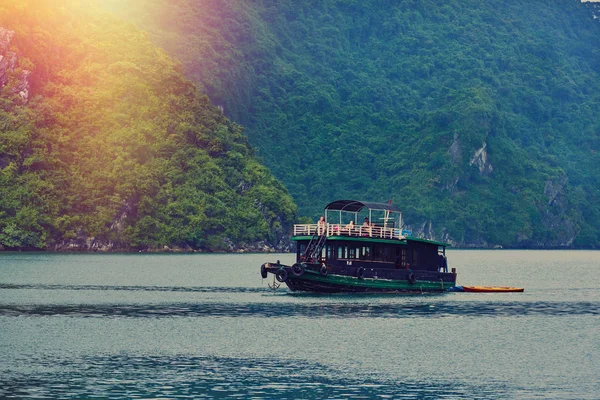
(478, 118)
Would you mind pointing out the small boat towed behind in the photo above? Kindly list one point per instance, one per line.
(487, 289)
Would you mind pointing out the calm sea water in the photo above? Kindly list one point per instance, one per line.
(208, 326)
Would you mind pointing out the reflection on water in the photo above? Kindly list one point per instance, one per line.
(122, 376)
(329, 310)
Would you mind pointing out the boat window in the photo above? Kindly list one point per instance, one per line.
(330, 253)
(351, 252)
(400, 257)
(382, 253)
(365, 252)
(345, 252)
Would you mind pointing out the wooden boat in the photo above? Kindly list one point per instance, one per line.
(491, 289)
(337, 255)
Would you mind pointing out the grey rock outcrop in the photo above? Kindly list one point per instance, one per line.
(480, 159)
(8, 64)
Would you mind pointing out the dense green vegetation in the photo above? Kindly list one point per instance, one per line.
(383, 100)
(477, 118)
(116, 149)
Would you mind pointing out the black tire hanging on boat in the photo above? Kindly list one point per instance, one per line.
(281, 275)
(297, 269)
(360, 273)
(263, 271)
(323, 270)
(411, 277)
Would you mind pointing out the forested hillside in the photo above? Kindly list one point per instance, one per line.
(105, 145)
(478, 118)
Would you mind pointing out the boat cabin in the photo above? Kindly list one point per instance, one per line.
(365, 234)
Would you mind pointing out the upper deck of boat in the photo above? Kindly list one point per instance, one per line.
(378, 232)
(387, 228)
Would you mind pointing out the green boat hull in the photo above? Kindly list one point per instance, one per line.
(312, 281)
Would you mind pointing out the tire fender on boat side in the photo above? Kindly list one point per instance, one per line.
(360, 273)
(297, 269)
(323, 270)
(263, 271)
(411, 277)
(281, 275)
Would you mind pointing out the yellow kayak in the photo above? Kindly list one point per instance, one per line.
(491, 289)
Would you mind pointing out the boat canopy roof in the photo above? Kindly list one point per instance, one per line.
(356, 206)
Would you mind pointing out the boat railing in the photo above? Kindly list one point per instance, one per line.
(381, 232)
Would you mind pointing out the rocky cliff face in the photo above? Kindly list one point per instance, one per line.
(11, 76)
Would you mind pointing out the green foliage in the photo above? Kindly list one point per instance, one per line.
(117, 146)
(377, 100)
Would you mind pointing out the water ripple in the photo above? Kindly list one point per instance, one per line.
(329, 310)
(124, 376)
(182, 289)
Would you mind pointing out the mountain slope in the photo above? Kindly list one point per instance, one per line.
(112, 148)
(479, 119)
